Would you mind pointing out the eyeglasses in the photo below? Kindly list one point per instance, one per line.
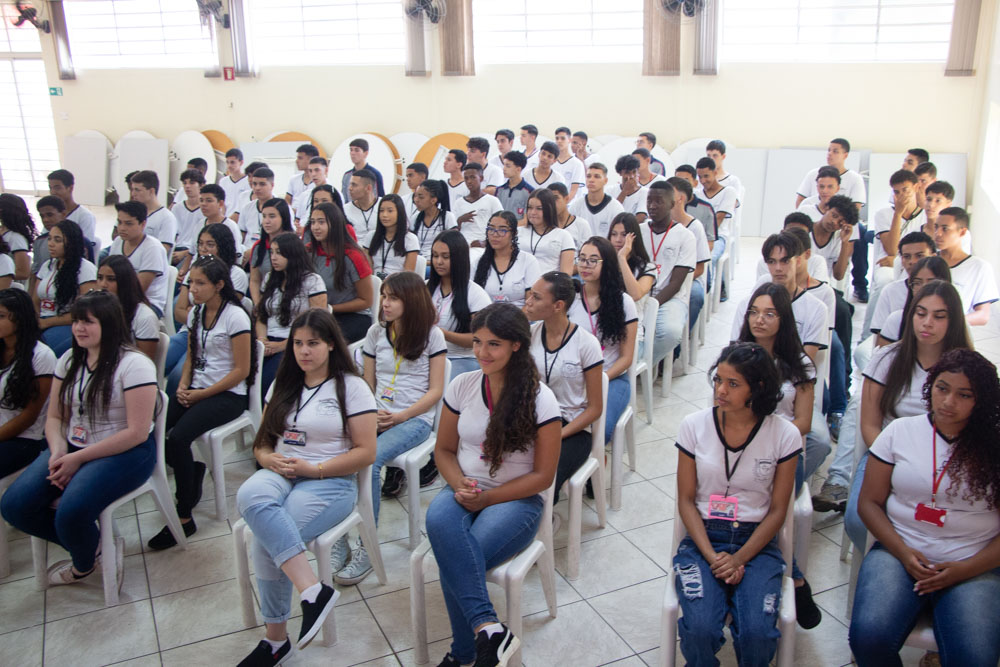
(589, 262)
(769, 315)
(498, 231)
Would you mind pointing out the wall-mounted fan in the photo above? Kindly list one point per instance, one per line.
(212, 9)
(28, 14)
(428, 12)
(674, 9)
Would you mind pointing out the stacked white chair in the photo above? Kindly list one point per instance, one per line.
(162, 347)
(363, 516)
(421, 268)
(592, 468)
(668, 361)
(643, 367)
(624, 437)
(168, 314)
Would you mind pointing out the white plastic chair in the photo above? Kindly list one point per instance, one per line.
(162, 347)
(644, 367)
(362, 516)
(593, 467)
(168, 312)
(803, 512)
(97, 251)
(421, 267)
(247, 305)
(723, 272)
(623, 438)
(156, 484)
(4, 554)
(210, 443)
(510, 575)
(786, 613)
(410, 462)
(668, 361)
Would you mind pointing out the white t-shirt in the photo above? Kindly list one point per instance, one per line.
(241, 283)
(148, 257)
(493, 176)
(385, 259)
(410, 208)
(86, 220)
(478, 299)
(482, 209)
(456, 192)
(318, 415)
(580, 230)
(43, 363)
(134, 370)
(249, 224)
(973, 278)
(588, 321)
(407, 382)
(892, 326)
(851, 185)
(312, 285)
(892, 297)
(188, 224)
(677, 247)
(46, 289)
(364, 220)
(562, 369)
(17, 242)
(426, 234)
(911, 400)
(296, 185)
(724, 201)
(810, 319)
(599, 216)
(510, 286)
(162, 225)
(529, 177)
(701, 250)
(215, 347)
(908, 445)
(145, 324)
(786, 406)
(825, 293)
(547, 248)
(733, 181)
(774, 441)
(6, 266)
(573, 172)
(466, 397)
(883, 222)
(634, 203)
(233, 190)
(228, 222)
(301, 203)
(831, 251)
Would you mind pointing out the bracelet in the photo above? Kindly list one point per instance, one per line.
(320, 466)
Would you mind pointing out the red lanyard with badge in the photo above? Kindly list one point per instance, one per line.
(47, 305)
(656, 251)
(933, 514)
(295, 436)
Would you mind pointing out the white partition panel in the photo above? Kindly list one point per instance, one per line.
(750, 165)
(87, 158)
(785, 169)
(140, 153)
(279, 157)
(951, 167)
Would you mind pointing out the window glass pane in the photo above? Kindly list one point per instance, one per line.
(28, 149)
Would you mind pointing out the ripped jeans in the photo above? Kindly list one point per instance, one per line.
(705, 600)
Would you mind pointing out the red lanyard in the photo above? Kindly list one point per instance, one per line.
(935, 478)
(593, 327)
(657, 250)
(489, 396)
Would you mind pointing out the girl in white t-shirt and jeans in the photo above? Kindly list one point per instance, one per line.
(497, 447)
(735, 475)
(931, 497)
(100, 434)
(404, 359)
(504, 270)
(316, 434)
(67, 275)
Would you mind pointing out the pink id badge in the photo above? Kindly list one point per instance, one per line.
(722, 507)
(932, 515)
(500, 298)
(79, 435)
(294, 437)
(388, 395)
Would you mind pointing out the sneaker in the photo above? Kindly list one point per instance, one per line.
(930, 659)
(806, 612)
(356, 571)
(861, 295)
(833, 421)
(590, 488)
(165, 539)
(428, 473)
(393, 483)
(831, 498)
(61, 573)
(495, 650)
(314, 613)
(340, 554)
(265, 656)
(451, 661)
(725, 294)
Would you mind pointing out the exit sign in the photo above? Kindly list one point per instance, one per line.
(55, 91)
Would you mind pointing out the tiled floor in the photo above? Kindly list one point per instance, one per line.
(181, 607)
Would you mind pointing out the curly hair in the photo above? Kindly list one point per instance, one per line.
(611, 313)
(288, 282)
(975, 459)
(74, 250)
(22, 385)
(225, 242)
(755, 365)
(514, 421)
(15, 216)
(487, 259)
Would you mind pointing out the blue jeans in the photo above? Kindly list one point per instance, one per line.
(619, 393)
(838, 376)
(390, 444)
(705, 600)
(462, 365)
(853, 524)
(269, 369)
(466, 544)
(817, 448)
(859, 258)
(718, 248)
(17, 453)
(695, 302)
(284, 514)
(886, 608)
(669, 329)
(176, 355)
(27, 504)
(59, 338)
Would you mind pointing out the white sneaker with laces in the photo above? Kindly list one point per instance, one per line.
(356, 571)
(340, 554)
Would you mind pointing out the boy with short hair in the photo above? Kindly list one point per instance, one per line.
(51, 210)
(529, 135)
(579, 145)
(723, 200)
(827, 185)
(542, 174)
(160, 223)
(145, 253)
(629, 193)
(912, 248)
(61, 184)
(514, 194)
(475, 209)
(416, 173)
(597, 207)
(188, 214)
(892, 223)
(505, 144)
(300, 180)
(212, 202)
(703, 254)
(850, 182)
(646, 175)
(716, 150)
(568, 165)
(454, 166)
(302, 206)
(834, 234)
(248, 221)
(972, 276)
(362, 209)
(198, 163)
(700, 209)
(926, 175)
(234, 181)
(647, 140)
(359, 159)
(479, 149)
(578, 228)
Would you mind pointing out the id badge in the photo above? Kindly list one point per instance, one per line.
(199, 364)
(520, 212)
(79, 435)
(388, 395)
(500, 298)
(722, 507)
(48, 306)
(381, 274)
(932, 515)
(294, 437)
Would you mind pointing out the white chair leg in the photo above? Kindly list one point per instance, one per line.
(40, 562)
(575, 529)
(647, 391)
(857, 557)
(243, 573)
(617, 465)
(597, 481)
(4, 553)
(668, 625)
(514, 618)
(668, 374)
(161, 497)
(418, 602)
(369, 538)
(630, 442)
(413, 500)
(325, 572)
(786, 624)
(845, 545)
(547, 571)
(219, 479)
(109, 558)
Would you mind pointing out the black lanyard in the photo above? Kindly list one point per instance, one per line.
(555, 357)
(84, 383)
(205, 330)
(730, 472)
(531, 236)
(425, 230)
(386, 247)
(300, 406)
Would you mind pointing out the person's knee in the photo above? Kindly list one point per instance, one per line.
(439, 520)
(253, 492)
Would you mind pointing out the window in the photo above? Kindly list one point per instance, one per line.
(557, 31)
(28, 149)
(111, 34)
(836, 30)
(17, 40)
(327, 32)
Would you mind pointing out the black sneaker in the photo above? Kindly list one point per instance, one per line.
(449, 661)
(428, 473)
(393, 483)
(806, 612)
(861, 295)
(165, 539)
(265, 656)
(590, 488)
(314, 613)
(495, 650)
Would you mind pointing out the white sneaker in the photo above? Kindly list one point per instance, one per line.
(356, 571)
(61, 573)
(340, 554)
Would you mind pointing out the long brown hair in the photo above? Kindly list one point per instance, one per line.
(411, 331)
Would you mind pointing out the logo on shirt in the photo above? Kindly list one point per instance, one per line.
(327, 407)
(763, 469)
